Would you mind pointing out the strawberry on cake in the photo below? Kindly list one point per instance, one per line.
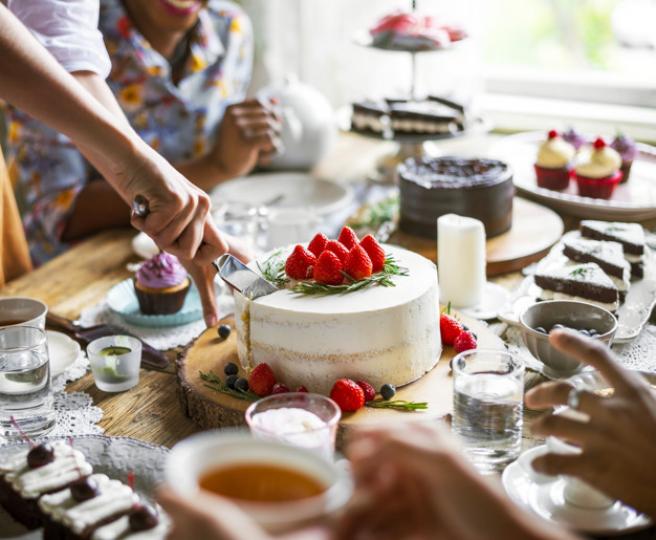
(346, 308)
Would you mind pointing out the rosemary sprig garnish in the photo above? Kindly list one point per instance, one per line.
(215, 383)
(579, 272)
(382, 278)
(273, 269)
(398, 405)
(377, 214)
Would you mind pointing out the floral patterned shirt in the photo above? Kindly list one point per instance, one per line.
(179, 121)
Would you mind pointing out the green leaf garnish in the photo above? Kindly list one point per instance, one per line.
(273, 269)
(213, 382)
(398, 405)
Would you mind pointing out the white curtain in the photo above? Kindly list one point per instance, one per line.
(314, 39)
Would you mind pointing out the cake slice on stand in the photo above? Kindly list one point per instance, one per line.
(630, 235)
(608, 255)
(581, 282)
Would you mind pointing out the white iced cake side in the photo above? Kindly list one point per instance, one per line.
(379, 334)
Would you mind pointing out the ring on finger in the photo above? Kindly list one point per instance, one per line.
(574, 398)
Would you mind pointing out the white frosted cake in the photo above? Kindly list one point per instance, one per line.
(379, 334)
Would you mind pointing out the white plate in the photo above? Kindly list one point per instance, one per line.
(144, 246)
(633, 201)
(298, 191)
(543, 495)
(62, 351)
(632, 315)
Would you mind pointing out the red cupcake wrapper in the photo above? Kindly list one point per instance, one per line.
(553, 179)
(598, 188)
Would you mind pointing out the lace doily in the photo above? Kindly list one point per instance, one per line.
(75, 412)
(636, 354)
(162, 338)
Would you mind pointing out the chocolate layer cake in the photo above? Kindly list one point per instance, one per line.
(608, 255)
(424, 117)
(583, 282)
(630, 235)
(43, 469)
(370, 117)
(470, 187)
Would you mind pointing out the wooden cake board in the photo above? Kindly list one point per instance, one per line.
(210, 409)
(535, 230)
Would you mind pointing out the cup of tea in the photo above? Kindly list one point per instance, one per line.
(282, 487)
(23, 311)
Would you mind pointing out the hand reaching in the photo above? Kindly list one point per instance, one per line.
(248, 136)
(619, 439)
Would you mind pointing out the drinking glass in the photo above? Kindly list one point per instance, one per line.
(488, 393)
(115, 362)
(25, 396)
(240, 220)
(289, 425)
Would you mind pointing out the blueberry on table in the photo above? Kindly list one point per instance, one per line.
(584, 332)
(224, 331)
(541, 330)
(231, 381)
(231, 369)
(387, 391)
(143, 517)
(241, 385)
(558, 327)
(40, 455)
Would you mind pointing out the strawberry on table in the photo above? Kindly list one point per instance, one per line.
(465, 342)
(328, 269)
(262, 380)
(358, 264)
(375, 251)
(450, 329)
(348, 237)
(338, 249)
(300, 263)
(318, 244)
(348, 395)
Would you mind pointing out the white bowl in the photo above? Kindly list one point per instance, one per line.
(200, 453)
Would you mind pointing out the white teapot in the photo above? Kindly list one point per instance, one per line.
(309, 127)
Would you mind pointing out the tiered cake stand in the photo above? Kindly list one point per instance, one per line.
(409, 145)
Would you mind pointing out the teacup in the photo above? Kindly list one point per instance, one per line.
(17, 310)
(211, 460)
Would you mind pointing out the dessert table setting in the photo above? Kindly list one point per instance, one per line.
(421, 288)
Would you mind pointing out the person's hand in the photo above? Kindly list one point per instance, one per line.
(209, 517)
(203, 276)
(248, 135)
(619, 439)
(178, 219)
(411, 482)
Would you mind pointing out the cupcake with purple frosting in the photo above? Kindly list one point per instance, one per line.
(626, 147)
(161, 285)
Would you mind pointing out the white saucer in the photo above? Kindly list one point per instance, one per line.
(543, 495)
(495, 297)
(63, 352)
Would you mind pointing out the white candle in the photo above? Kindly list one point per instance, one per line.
(461, 260)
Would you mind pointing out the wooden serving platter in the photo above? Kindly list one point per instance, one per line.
(535, 230)
(210, 409)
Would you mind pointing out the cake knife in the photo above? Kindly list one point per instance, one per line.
(230, 269)
(240, 277)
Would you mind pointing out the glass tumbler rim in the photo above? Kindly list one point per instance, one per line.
(95, 344)
(516, 362)
(8, 329)
(332, 422)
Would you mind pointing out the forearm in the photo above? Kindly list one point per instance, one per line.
(97, 207)
(33, 81)
(203, 172)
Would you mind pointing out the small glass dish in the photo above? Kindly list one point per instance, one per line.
(284, 418)
(115, 362)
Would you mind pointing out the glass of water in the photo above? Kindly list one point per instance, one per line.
(488, 395)
(25, 398)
